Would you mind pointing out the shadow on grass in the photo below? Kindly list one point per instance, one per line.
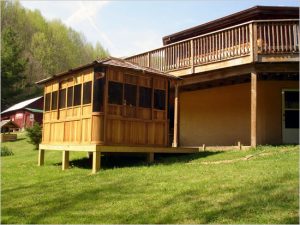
(168, 159)
(121, 160)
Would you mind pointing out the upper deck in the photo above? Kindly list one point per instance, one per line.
(272, 40)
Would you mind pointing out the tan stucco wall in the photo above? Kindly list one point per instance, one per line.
(215, 116)
(269, 110)
(221, 116)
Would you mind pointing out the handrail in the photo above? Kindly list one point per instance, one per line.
(227, 28)
(252, 37)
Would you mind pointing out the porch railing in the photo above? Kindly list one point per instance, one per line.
(254, 37)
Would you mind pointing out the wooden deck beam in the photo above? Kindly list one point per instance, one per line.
(118, 148)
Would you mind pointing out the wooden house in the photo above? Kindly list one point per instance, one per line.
(240, 78)
(25, 113)
(110, 105)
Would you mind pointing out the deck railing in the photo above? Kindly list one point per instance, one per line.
(255, 37)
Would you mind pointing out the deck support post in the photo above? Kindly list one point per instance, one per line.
(65, 160)
(253, 108)
(41, 158)
(175, 136)
(96, 162)
(150, 157)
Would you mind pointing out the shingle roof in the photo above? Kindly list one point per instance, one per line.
(112, 61)
(21, 105)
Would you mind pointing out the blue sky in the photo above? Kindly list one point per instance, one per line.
(131, 27)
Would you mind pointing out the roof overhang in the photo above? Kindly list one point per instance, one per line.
(106, 62)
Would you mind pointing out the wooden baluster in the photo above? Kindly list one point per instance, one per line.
(281, 38)
(247, 39)
(222, 45)
(295, 37)
(269, 38)
(277, 37)
(239, 41)
(273, 37)
(219, 46)
(285, 38)
(230, 43)
(201, 50)
(264, 39)
(213, 47)
(290, 38)
(297, 33)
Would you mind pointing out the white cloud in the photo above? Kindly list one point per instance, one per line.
(85, 10)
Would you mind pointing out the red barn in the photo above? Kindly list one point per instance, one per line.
(25, 113)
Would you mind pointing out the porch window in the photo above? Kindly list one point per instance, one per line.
(70, 97)
(98, 95)
(87, 92)
(145, 97)
(115, 93)
(62, 98)
(47, 101)
(159, 99)
(130, 94)
(77, 94)
(54, 100)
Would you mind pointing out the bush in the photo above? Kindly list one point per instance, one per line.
(5, 151)
(35, 134)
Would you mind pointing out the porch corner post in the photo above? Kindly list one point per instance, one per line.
(65, 160)
(41, 158)
(176, 100)
(96, 162)
(253, 109)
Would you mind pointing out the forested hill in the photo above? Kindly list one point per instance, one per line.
(33, 48)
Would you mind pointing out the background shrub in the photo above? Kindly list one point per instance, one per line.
(35, 134)
(5, 151)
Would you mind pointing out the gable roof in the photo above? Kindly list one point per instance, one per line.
(21, 105)
(111, 61)
(253, 13)
(8, 123)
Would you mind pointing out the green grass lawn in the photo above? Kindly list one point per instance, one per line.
(208, 187)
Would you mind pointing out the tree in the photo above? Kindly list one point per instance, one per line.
(35, 134)
(12, 67)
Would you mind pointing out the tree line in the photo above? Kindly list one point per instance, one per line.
(33, 48)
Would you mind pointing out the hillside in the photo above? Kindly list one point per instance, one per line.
(254, 186)
(34, 48)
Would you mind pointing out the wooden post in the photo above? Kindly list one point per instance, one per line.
(65, 160)
(239, 145)
(175, 137)
(96, 162)
(150, 157)
(148, 61)
(254, 42)
(253, 107)
(41, 158)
